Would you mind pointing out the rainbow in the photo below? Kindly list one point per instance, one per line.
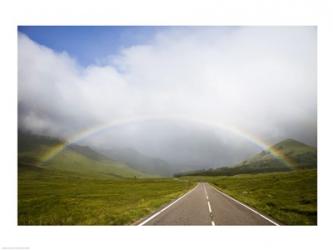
(85, 133)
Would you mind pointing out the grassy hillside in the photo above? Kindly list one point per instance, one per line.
(75, 158)
(70, 160)
(55, 197)
(289, 197)
(301, 155)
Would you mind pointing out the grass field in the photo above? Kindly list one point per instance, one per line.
(288, 197)
(79, 186)
(53, 197)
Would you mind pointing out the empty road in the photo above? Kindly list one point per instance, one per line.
(205, 205)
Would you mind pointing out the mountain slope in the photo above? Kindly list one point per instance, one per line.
(74, 158)
(298, 155)
(140, 162)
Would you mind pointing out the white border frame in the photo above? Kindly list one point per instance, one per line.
(172, 12)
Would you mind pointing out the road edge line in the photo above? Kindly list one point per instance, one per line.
(246, 206)
(165, 208)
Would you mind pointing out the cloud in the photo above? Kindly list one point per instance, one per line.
(259, 79)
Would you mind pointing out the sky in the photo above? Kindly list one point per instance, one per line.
(88, 44)
(257, 79)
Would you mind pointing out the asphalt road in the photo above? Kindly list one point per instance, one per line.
(205, 205)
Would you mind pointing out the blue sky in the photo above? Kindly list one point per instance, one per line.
(89, 44)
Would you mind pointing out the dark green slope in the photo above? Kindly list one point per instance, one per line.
(298, 155)
(74, 158)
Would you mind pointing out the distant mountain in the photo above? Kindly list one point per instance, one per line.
(295, 155)
(140, 162)
(298, 154)
(74, 158)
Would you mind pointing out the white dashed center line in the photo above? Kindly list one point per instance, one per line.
(209, 206)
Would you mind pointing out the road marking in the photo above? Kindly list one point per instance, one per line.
(159, 212)
(205, 192)
(254, 211)
(209, 207)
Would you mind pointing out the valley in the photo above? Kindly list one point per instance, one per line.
(79, 186)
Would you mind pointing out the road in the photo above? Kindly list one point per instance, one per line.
(205, 205)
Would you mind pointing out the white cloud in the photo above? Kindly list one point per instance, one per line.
(259, 79)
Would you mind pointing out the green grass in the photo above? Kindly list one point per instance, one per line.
(81, 187)
(288, 197)
(55, 197)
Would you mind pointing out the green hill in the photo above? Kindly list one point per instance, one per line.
(74, 158)
(298, 155)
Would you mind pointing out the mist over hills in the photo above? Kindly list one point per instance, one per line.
(204, 77)
(178, 150)
(140, 161)
(300, 156)
(188, 152)
(180, 146)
